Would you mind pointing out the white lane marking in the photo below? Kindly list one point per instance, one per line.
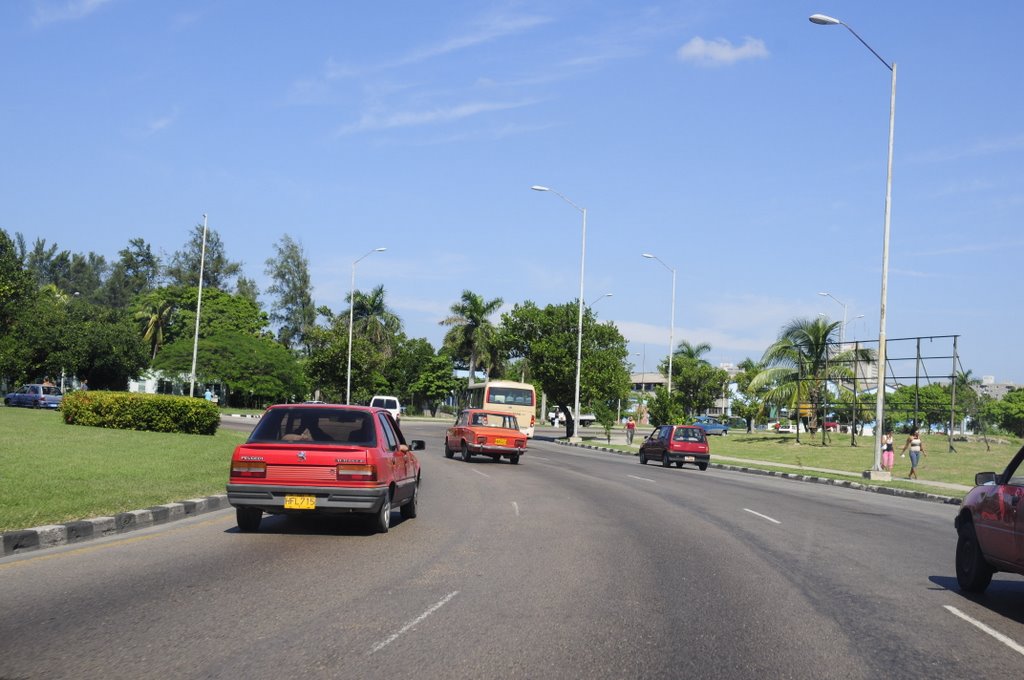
(479, 473)
(762, 516)
(991, 631)
(642, 479)
(404, 629)
(516, 506)
(536, 457)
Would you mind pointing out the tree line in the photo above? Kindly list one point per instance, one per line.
(74, 314)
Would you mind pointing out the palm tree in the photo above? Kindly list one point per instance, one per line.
(472, 334)
(802, 361)
(374, 320)
(155, 318)
(688, 351)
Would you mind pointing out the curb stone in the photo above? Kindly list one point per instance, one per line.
(52, 535)
(845, 483)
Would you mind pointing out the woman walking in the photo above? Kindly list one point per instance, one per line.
(916, 447)
(888, 452)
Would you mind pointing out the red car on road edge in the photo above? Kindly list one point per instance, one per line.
(990, 527)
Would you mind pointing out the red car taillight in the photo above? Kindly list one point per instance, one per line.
(248, 468)
(356, 473)
(533, 421)
(521, 443)
(482, 441)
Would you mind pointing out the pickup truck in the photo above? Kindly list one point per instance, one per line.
(558, 418)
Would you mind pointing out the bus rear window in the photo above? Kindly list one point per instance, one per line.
(510, 395)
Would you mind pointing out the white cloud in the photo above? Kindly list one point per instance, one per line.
(162, 123)
(720, 51)
(69, 10)
(373, 121)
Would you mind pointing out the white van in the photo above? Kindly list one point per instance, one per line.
(389, 403)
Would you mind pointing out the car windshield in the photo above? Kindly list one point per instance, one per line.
(326, 425)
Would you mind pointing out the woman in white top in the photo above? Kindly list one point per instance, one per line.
(916, 447)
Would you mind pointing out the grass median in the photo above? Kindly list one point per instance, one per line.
(52, 473)
(940, 465)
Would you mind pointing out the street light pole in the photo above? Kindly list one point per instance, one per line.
(672, 316)
(876, 469)
(579, 329)
(351, 310)
(842, 329)
(199, 304)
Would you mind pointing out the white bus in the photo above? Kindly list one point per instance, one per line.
(504, 395)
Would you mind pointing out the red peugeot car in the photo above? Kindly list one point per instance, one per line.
(990, 527)
(323, 458)
(677, 444)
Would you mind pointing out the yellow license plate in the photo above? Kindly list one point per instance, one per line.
(500, 441)
(293, 502)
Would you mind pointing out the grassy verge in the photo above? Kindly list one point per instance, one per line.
(940, 465)
(51, 472)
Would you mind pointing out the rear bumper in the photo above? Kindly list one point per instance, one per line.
(676, 457)
(338, 500)
(484, 450)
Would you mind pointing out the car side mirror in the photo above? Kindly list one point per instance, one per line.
(417, 445)
(983, 478)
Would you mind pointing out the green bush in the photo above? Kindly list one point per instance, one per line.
(147, 412)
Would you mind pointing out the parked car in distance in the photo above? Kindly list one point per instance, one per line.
(390, 403)
(35, 396)
(785, 428)
(486, 433)
(677, 444)
(990, 527)
(327, 459)
(711, 425)
(831, 426)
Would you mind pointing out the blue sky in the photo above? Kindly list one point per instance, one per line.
(740, 143)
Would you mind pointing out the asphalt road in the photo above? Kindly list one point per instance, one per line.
(571, 564)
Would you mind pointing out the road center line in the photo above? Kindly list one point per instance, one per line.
(404, 629)
(762, 516)
(642, 479)
(981, 626)
(480, 473)
(516, 507)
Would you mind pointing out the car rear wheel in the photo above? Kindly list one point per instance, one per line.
(465, 452)
(382, 520)
(448, 451)
(514, 459)
(679, 463)
(248, 519)
(412, 508)
(973, 573)
(702, 466)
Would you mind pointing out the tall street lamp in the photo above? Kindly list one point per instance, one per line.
(876, 469)
(672, 323)
(579, 329)
(351, 310)
(590, 305)
(199, 304)
(842, 329)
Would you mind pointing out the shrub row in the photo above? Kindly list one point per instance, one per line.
(131, 411)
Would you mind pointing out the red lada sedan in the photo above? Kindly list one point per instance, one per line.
(677, 444)
(990, 527)
(486, 433)
(328, 459)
